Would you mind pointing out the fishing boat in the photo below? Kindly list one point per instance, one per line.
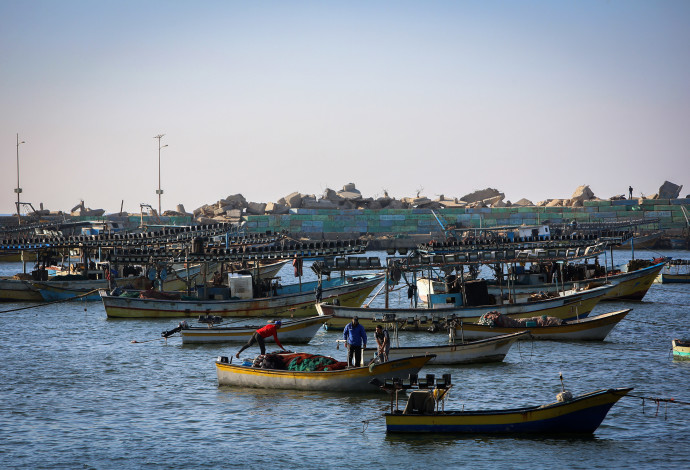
(628, 284)
(181, 275)
(570, 305)
(585, 329)
(581, 414)
(681, 349)
(300, 330)
(294, 300)
(60, 288)
(676, 271)
(471, 352)
(18, 287)
(355, 379)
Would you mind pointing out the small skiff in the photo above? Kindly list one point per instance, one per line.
(472, 352)
(300, 330)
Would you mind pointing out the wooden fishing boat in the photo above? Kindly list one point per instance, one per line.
(570, 415)
(355, 379)
(471, 352)
(571, 306)
(201, 273)
(83, 289)
(294, 300)
(676, 271)
(12, 289)
(627, 285)
(585, 329)
(300, 330)
(681, 349)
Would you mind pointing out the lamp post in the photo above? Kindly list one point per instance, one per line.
(159, 191)
(18, 190)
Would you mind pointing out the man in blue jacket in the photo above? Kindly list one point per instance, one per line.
(355, 339)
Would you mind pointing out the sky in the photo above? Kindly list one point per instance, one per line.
(264, 98)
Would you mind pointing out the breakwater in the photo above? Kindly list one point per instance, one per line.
(669, 215)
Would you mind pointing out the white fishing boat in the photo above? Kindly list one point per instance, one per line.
(292, 331)
(569, 305)
(471, 352)
(293, 300)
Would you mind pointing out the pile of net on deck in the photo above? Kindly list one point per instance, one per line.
(494, 318)
(298, 362)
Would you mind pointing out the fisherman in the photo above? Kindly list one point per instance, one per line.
(630, 191)
(318, 292)
(355, 339)
(264, 332)
(383, 340)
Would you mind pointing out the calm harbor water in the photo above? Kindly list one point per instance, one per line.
(77, 394)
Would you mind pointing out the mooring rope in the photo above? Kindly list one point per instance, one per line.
(658, 402)
(43, 304)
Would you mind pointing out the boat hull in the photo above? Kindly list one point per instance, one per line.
(291, 332)
(482, 351)
(626, 285)
(581, 415)
(675, 278)
(587, 329)
(293, 305)
(17, 289)
(346, 380)
(681, 350)
(568, 307)
(76, 289)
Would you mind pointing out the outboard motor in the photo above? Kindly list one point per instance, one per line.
(181, 326)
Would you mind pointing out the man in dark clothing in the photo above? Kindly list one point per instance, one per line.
(355, 339)
(258, 337)
(630, 191)
(383, 341)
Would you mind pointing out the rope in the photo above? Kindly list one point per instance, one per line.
(51, 303)
(659, 400)
(148, 340)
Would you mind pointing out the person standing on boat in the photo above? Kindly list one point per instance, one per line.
(355, 339)
(258, 337)
(383, 340)
(630, 191)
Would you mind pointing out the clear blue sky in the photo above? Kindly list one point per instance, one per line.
(264, 98)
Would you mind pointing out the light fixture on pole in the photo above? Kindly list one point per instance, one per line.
(18, 190)
(159, 191)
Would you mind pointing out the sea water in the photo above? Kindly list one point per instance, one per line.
(78, 394)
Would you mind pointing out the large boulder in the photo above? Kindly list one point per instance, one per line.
(492, 201)
(523, 202)
(582, 193)
(309, 203)
(277, 209)
(237, 201)
(256, 208)
(293, 200)
(669, 190)
(331, 195)
(481, 195)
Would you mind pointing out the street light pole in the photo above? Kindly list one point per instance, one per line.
(159, 191)
(18, 189)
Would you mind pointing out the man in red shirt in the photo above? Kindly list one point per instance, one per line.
(258, 337)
